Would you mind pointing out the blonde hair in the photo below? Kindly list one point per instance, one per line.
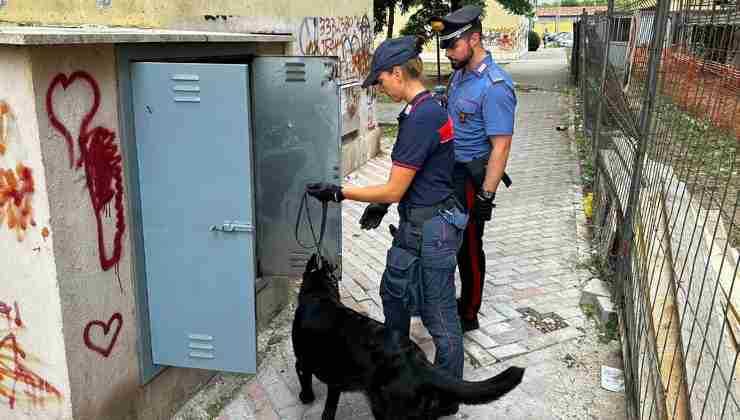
(413, 68)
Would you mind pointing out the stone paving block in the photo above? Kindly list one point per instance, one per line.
(593, 289)
(520, 285)
(519, 331)
(480, 356)
(375, 296)
(375, 312)
(294, 412)
(262, 405)
(499, 328)
(570, 312)
(508, 311)
(497, 280)
(361, 278)
(357, 292)
(528, 293)
(280, 395)
(490, 316)
(552, 338)
(605, 309)
(508, 351)
(481, 338)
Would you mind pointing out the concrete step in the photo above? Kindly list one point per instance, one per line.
(597, 294)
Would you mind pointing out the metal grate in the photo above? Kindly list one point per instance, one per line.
(663, 113)
(295, 72)
(186, 88)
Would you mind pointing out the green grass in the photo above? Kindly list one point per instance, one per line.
(703, 156)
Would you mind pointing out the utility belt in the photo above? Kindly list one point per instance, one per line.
(476, 169)
(403, 277)
(418, 215)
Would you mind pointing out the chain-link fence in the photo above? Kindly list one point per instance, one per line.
(659, 82)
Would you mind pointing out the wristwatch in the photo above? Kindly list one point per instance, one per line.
(488, 195)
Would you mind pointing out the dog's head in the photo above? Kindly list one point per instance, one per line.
(319, 279)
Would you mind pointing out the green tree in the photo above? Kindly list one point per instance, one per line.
(425, 9)
(385, 14)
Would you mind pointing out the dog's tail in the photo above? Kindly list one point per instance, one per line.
(481, 392)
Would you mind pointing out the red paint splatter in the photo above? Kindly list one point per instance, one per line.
(100, 159)
(4, 126)
(6, 311)
(16, 190)
(106, 349)
(15, 371)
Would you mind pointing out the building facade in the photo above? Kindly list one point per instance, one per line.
(103, 184)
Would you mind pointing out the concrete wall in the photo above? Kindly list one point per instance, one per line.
(90, 230)
(34, 380)
(67, 294)
(171, 14)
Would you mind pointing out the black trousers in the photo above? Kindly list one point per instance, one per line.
(471, 260)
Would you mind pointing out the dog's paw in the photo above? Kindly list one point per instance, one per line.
(306, 397)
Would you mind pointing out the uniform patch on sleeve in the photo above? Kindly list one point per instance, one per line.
(447, 132)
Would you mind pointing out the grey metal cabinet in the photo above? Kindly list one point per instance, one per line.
(223, 153)
(297, 140)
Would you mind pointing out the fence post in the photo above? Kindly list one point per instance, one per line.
(602, 90)
(582, 63)
(624, 269)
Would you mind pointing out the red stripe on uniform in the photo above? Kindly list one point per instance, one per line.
(447, 132)
(405, 165)
(475, 297)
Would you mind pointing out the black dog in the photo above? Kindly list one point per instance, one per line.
(352, 352)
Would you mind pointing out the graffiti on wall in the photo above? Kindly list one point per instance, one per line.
(103, 343)
(98, 155)
(506, 42)
(6, 118)
(501, 38)
(350, 38)
(350, 105)
(16, 191)
(371, 96)
(18, 383)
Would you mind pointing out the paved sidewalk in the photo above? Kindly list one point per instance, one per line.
(530, 314)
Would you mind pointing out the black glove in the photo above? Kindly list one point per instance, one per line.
(373, 214)
(323, 191)
(483, 207)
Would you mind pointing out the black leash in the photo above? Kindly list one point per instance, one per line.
(317, 243)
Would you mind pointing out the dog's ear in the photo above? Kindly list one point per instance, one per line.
(317, 317)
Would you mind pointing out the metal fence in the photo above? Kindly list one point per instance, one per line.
(659, 83)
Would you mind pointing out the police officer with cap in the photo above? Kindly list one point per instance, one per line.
(481, 102)
(420, 269)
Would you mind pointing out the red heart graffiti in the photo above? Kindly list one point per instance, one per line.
(101, 160)
(64, 81)
(105, 351)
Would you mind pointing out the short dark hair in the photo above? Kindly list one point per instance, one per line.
(477, 27)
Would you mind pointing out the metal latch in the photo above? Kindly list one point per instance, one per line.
(228, 226)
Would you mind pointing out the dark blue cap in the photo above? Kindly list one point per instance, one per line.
(453, 25)
(392, 52)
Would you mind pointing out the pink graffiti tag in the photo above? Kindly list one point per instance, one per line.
(100, 159)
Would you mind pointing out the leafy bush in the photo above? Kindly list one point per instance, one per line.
(534, 40)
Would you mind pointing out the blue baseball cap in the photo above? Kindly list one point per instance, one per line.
(392, 52)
